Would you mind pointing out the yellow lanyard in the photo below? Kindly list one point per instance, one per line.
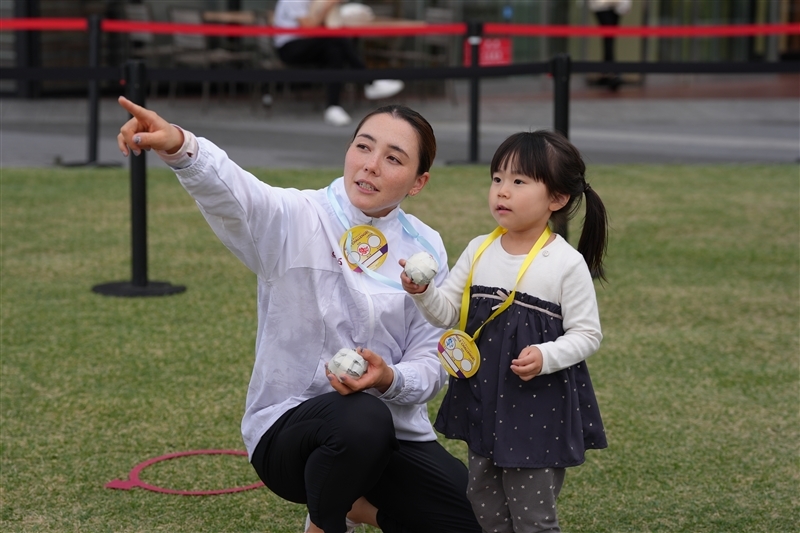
(525, 264)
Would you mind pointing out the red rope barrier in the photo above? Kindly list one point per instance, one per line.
(738, 30)
(489, 28)
(44, 24)
(126, 26)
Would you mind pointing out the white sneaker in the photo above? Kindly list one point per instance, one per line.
(351, 526)
(336, 116)
(383, 89)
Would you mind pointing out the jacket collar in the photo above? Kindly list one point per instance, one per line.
(355, 215)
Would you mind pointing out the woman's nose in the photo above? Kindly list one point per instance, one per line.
(371, 163)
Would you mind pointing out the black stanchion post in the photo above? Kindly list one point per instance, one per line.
(134, 88)
(474, 38)
(27, 48)
(560, 67)
(94, 85)
(93, 103)
(475, 30)
(135, 81)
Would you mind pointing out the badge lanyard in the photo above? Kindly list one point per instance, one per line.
(458, 351)
(371, 247)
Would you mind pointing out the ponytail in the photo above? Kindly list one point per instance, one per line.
(593, 242)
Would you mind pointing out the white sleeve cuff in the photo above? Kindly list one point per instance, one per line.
(547, 367)
(396, 387)
(185, 155)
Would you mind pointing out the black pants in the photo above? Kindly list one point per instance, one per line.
(607, 17)
(333, 449)
(323, 52)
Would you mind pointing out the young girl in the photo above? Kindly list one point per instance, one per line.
(520, 395)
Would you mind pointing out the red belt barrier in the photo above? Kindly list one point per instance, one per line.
(44, 24)
(125, 26)
(738, 30)
(489, 28)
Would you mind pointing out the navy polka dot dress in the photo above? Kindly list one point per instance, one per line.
(548, 421)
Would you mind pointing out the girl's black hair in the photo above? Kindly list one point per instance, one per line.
(550, 158)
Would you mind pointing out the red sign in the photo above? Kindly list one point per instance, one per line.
(491, 52)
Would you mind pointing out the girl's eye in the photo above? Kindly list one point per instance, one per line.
(518, 182)
(495, 179)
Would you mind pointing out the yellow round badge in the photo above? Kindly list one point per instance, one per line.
(367, 247)
(459, 354)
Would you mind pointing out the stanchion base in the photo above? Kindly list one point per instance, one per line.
(127, 288)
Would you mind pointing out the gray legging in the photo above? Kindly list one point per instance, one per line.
(333, 449)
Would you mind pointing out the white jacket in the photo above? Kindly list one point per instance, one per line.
(310, 305)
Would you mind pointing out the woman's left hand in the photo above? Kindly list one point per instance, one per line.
(529, 363)
(378, 376)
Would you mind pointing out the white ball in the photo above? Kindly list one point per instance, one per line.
(421, 268)
(347, 362)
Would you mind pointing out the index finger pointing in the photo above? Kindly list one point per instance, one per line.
(134, 109)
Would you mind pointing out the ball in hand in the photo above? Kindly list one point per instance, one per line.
(347, 362)
(421, 268)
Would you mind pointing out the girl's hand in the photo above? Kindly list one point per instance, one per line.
(378, 375)
(529, 363)
(409, 286)
(146, 130)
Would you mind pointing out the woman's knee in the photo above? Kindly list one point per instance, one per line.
(366, 420)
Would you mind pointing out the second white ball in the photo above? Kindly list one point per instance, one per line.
(421, 268)
(347, 362)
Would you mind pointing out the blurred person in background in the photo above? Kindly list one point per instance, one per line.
(326, 52)
(608, 13)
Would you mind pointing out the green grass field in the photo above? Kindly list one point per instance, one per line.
(697, 377)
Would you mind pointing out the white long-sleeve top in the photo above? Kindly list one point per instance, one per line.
(310, 303)
(558, 274)
(287, 13)
(619, 6)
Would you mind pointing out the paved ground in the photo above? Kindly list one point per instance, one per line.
(666, 119)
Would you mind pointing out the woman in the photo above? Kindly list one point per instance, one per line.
(353, 451)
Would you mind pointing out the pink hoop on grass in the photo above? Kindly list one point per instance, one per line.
(134, 481)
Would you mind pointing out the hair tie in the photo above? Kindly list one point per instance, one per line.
(586, 187)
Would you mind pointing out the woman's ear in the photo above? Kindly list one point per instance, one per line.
(419, 183)
(558, 201)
